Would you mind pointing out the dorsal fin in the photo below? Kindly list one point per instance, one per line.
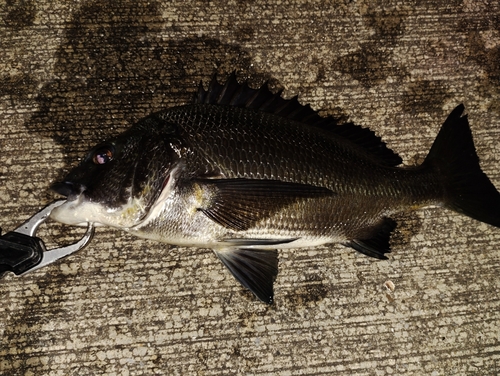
(232, 93)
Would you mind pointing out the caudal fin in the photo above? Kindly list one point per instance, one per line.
(467, 189)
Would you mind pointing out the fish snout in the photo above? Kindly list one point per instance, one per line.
(68, 189)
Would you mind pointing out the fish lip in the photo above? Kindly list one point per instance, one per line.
(68, 189)
(68, 213)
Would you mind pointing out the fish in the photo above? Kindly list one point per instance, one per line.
(246, 172)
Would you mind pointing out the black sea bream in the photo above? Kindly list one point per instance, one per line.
(245, 172)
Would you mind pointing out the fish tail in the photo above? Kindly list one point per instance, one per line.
(453, 157)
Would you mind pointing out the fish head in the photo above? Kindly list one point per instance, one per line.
(119, 180)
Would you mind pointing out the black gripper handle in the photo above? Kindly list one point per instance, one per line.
(19, 252)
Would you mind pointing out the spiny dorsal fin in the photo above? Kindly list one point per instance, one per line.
(232, 93)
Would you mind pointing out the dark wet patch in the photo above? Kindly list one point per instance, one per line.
(425, 96)
(312, 291)
(373, 62)
(388, 24)
(26, 327)
(370, 65)
(476, 30)
(245, 33)
(248, 319)
(337, 113)
(450, 4)
(19, 13)
(236, 350)
(489, 60)
(408, 226)
(18, 86)
(320, 69)
(470, 23)
(113, 67)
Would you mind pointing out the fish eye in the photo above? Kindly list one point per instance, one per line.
(103, 155)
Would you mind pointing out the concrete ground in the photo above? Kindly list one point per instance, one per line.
(75, 72)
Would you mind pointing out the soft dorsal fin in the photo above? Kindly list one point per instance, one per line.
(232, 93)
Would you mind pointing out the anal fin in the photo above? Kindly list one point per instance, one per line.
(255, 269)
(378, 244)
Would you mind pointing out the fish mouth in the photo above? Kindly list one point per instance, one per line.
(67, 213)
(68, 189)
(80, 208)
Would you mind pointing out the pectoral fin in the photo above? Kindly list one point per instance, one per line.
(255, 269)
(238, 204)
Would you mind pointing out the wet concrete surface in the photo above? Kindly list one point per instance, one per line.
(73, 73)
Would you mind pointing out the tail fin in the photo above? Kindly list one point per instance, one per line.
(467, 189)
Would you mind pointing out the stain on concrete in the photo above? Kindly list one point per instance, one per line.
(373, 62)
(388, 24)
(19, 13)
(488, 58)
(308, 293)
(425, 96)
(482, 35)
(18, 86)
(107, 63)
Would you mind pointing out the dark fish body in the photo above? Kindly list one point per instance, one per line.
(356, 190)
(244, 172)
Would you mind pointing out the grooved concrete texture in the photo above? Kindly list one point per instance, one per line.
(75, 72)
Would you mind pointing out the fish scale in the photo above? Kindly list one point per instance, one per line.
(308, 160)
(245, 172)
